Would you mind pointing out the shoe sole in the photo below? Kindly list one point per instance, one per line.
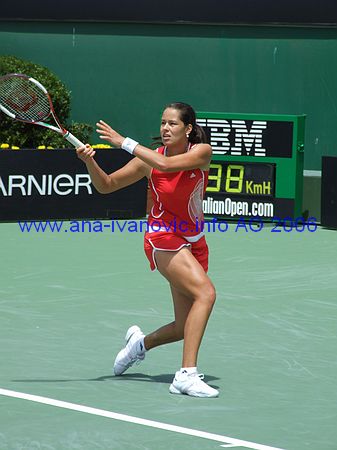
(174, 390)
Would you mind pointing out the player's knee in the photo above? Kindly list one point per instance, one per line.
(207, 294)
(180, 334)
(211, 295)
(178, 330)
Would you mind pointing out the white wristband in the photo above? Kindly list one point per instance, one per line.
(129, 145)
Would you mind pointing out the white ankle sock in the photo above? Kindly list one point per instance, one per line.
(188, 370)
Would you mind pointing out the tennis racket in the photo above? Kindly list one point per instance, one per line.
(25, 99)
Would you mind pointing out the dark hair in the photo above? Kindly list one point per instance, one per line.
(188, 116)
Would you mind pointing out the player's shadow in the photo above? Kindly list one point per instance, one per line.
(165, 378)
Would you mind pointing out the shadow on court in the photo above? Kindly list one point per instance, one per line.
(165, 378)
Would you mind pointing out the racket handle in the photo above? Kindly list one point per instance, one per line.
(73, 140)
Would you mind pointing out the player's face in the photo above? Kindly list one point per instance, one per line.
(173, 130)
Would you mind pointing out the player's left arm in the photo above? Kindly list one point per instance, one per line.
(197, 158)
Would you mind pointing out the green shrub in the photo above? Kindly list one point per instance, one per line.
(27, 136)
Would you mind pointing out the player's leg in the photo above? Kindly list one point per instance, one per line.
(188, 278)
(193, 296)
(173, 331)
(137, 343)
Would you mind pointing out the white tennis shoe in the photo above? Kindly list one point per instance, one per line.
(132, 352)
(192, 384)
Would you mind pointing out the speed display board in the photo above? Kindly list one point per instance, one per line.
(257, 165)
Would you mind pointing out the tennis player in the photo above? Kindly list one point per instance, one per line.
(174, 244)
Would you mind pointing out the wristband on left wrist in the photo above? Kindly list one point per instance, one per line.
(129, 145)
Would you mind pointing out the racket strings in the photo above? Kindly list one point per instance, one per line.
(24, 99)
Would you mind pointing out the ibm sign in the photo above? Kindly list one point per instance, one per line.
(232, 136)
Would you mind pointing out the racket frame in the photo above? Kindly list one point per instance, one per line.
(59, 129)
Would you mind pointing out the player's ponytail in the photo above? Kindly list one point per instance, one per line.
(197, 135)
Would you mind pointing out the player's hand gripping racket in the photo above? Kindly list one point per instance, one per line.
(25, 99)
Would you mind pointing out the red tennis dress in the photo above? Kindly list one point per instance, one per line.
(176, 218)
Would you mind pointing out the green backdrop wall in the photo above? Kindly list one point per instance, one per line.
(126, 73)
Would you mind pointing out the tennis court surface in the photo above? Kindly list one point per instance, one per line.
(67, 299)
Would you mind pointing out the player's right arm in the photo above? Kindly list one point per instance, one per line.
(105, 183)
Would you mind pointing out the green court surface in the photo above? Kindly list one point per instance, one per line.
(67, 299)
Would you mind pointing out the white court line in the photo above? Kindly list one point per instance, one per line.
(137, 420)
(228, 445)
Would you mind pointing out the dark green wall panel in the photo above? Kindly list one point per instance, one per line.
(126, 73)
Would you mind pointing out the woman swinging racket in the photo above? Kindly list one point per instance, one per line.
(178, 175)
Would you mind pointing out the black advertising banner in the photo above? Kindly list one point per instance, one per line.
(305, 12)
(54, 184)
(244, 137)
